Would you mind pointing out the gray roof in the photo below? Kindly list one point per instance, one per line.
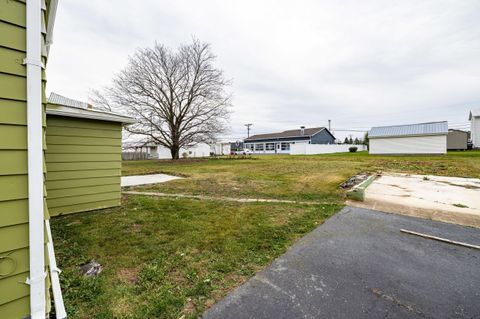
(286, 134)
(55, 98)
(432, 128)
(63, 106)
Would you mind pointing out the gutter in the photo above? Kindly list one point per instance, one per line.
(409, 135)
(34, 65)
(94, 115)
(52, 13)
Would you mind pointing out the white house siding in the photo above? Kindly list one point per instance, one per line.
(435, 144)
(220, 148)
(475, 129)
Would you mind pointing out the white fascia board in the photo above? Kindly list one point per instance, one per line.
(86, 114)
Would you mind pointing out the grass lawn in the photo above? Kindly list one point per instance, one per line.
(165, 258)
(293, 177)
(168, 258)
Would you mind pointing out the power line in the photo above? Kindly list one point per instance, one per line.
(349, 130)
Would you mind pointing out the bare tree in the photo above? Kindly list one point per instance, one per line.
(100, 101)
(178, 98)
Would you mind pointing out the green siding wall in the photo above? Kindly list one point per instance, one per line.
(14, 266)
(83, 159)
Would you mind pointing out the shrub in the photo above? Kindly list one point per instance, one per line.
(353, 149)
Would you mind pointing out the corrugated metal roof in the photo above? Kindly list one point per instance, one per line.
(432, 128)
(55, 98)
(291, 133)
(63, 106)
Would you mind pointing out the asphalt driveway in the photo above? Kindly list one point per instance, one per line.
(359, 265)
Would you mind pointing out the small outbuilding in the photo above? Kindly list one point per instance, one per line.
(83, 156)
(457, 140)
(422, 138)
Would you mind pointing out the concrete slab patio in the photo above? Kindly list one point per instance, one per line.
(359, 265)
(448, 199)
(138, 180)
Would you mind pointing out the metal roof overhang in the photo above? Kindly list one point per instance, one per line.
(410, 135)
(88, 114)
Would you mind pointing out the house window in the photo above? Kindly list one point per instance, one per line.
(270, 147)
(259, 147)
(285, 146)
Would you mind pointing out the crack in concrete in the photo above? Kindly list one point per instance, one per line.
(397, 302)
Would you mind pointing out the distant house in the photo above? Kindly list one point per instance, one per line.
(279, 143)
(457, 140)
(198, 150)
(422, 138)
(475, 127)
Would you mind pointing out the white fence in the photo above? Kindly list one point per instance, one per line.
(311, 149)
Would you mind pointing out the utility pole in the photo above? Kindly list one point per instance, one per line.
(248, 129)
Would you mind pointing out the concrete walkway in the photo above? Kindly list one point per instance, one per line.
(227, 199)
(359, 265)
(138, 180)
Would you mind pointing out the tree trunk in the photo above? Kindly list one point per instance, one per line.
(175, 151)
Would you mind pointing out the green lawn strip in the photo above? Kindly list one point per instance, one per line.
(165, 258)
(306, 178)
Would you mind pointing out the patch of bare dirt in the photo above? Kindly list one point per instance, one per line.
(129, 275)
(189, 307)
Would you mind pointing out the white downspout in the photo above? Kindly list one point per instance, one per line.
(35, 160)
(54, 275)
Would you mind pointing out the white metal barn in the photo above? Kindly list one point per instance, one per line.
(475, 127)
(422, 138)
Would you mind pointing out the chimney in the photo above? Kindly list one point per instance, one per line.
(302, 130)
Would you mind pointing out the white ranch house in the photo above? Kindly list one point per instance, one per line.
(280, 143)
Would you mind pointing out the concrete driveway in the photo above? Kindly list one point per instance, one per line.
(359, 265)
(448, 199)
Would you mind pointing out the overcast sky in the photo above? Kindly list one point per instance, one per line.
(358, 63)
